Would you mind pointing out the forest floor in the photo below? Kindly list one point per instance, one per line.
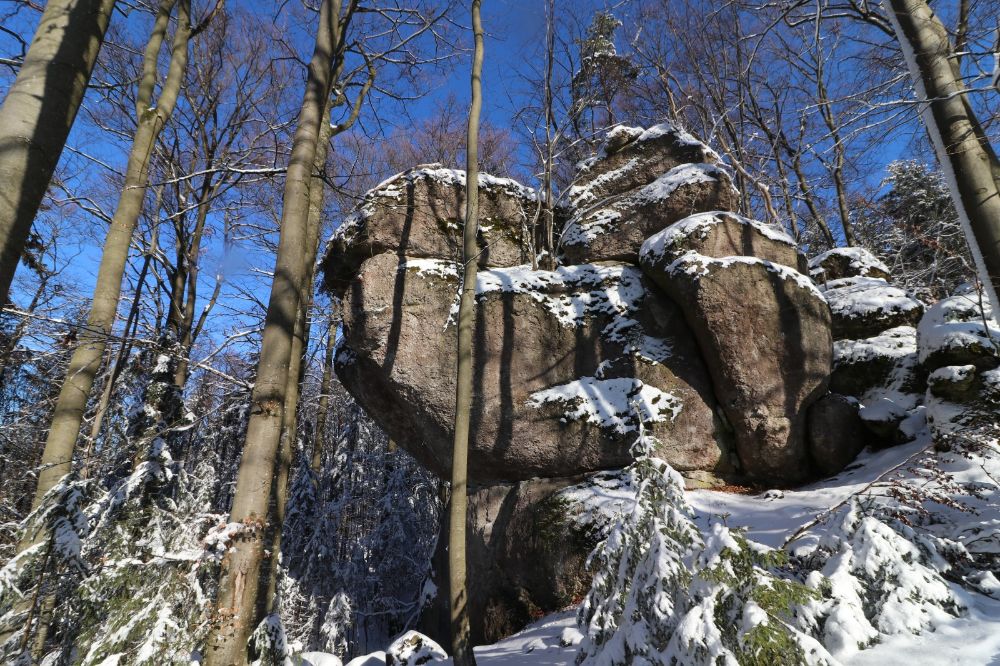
(774, 516)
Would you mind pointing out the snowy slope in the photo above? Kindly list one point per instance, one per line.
(774, 516)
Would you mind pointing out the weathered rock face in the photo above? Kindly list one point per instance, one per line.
(764, 331)
(846, 262)
(526, 554)
(566, 363)
(863, 307)
(861, 365)
(875, 357)
(615, 229)
(420, 213)
(715, 343)
(632, 158)
(836, 433)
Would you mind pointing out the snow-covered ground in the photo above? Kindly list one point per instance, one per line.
(773, 517)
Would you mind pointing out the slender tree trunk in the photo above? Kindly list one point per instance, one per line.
(460, 638)
(807, 196)
(39, 111)
(839, 153)
(969, 163)
(300, 343)
(128, 333)
(548, 225)
(65, 429)
(238, 582)
(319, 435)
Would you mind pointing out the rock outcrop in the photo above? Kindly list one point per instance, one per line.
(527, 547)
(874, 349)
(419, 213)
(863, 307)
(764, 330)
(845, 262)
(836, 432)
(669, 314)
(567, 364)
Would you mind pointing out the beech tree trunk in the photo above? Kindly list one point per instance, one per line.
(57, 456)
(300, 341)
(238, 584)
(969, 163)
(460, 638)
(37, 115)
(323, 409)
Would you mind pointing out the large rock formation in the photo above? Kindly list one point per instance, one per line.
(567, 365)
(764, 330)
(716, 343)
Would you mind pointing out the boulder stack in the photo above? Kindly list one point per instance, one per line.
(874, 349)
(669, 315)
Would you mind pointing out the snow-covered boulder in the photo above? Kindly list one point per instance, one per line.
(836, 433)
(860, 365)
(764, 331)
(720, 234)
(959, 331)
(863, 307)
(954, 382)
(567, 364)
(413, 649)
(420, 213)
(615, 228)
(843, 262)
(316, 659)
(632, 157)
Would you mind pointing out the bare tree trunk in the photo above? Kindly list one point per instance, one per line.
(128, 336)
(300, 342)
(548, 225)
(86, 360)
(323, 409)
(460, 639)
(839, 151)
(128, 333)
(969, 163)
(240, 575)
(37, 115)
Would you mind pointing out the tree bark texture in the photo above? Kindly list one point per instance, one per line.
(969, 163)
(38, 113)
(57, 456)
(238, 583)
(458, 590)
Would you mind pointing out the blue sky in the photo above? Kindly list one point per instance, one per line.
(515, 34)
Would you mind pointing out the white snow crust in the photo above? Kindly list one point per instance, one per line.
(610, 403)
(857, 297)
(861, 261)
(698, 265)
(699, 225)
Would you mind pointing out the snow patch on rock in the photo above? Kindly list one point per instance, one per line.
(856, 297)
(611, 403)
(699, 225)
